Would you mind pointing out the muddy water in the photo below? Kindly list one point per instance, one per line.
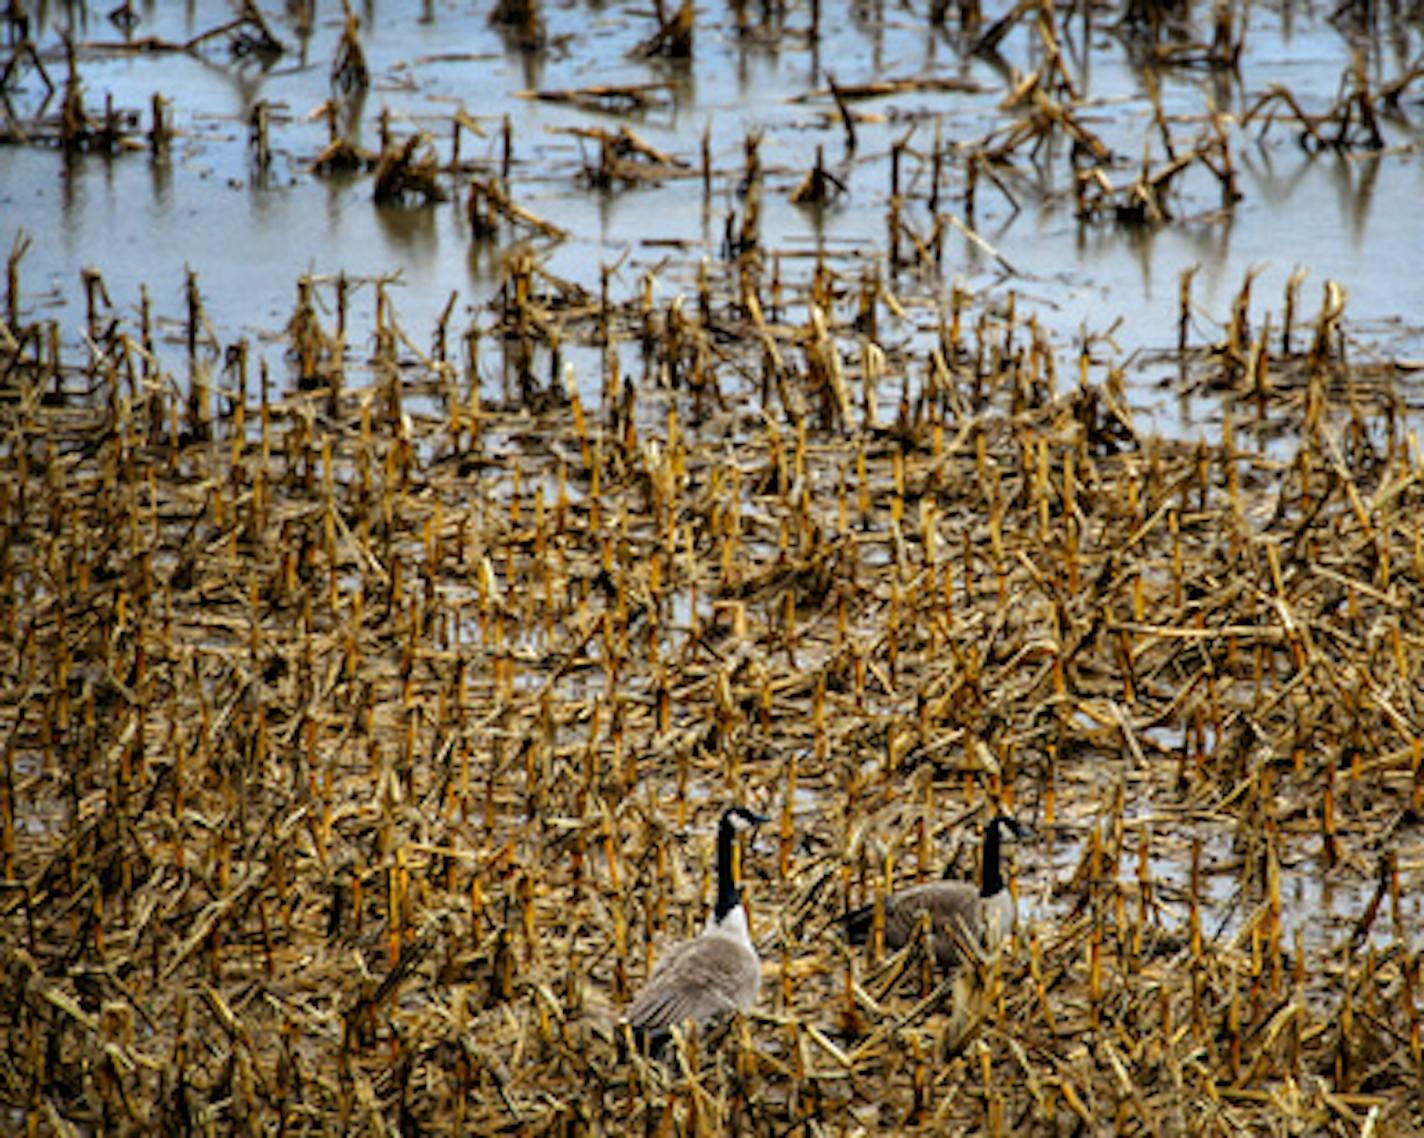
(249, 236)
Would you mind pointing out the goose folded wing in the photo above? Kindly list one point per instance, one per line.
(944, 901)
(699, 980)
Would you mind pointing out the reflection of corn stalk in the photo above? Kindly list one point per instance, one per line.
(25, 51)
(1352, 122)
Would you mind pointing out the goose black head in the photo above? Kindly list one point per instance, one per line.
(999, 828)
(729, 894)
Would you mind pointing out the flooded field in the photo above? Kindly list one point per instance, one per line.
(449, 453)
(249, 224)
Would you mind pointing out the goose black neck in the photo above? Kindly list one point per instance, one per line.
(993, 879)
(729, 896)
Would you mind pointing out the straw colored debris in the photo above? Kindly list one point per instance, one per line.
(364, 740)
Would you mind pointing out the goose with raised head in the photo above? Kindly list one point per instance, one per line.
(959, 911)
(715, 973)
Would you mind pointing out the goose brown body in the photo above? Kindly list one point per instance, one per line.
(961, 915)
(714, 974)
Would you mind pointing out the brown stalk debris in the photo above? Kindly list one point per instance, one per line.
(366, 710)
(362, 741)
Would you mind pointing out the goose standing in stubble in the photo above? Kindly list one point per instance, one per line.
(713, 974)
(958, 910)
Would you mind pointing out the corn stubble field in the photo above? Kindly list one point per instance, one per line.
(358, 759)
(365, 729)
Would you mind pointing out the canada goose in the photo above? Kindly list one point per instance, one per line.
(956, 909)
(713, 974)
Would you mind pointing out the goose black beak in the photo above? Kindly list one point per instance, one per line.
(1016, 829)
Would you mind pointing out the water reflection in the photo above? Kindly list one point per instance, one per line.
(1298, 209)
(410, 230)
(1356, 195)
(160, 175)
